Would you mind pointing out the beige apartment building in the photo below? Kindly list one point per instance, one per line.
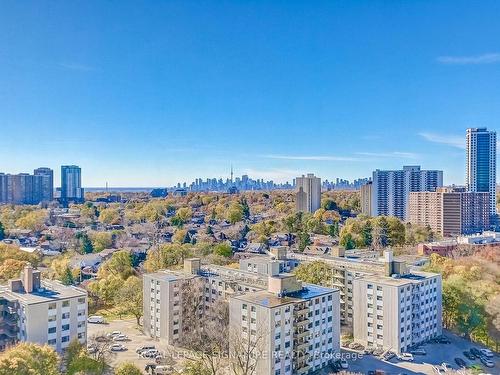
(308, 193)
(450, 211)
(365, 195)
(397, 312)
(42, 312)
(298, 325)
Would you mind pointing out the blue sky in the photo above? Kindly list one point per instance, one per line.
(151, 93)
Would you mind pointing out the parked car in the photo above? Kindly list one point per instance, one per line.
(143, 348)
(95, 319)
(369, 350)
(356, 346)
(343, 364)
(121, 337)
(405, 357)
(486, 353)
(113, 334)
(469, 355)
(476, 352)
(443, 340)
(418, 351)
(487, 362)
(91, 349)
(389, 355)
(151, 353)
(460, 362)
(117, 348)
(371, 372)
(150, 367)
(378, 351)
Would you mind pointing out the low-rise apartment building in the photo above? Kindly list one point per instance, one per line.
(399, 312)
(42, 312)
(295, 327)
(299, 325)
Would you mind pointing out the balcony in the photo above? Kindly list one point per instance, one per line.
(302, 333)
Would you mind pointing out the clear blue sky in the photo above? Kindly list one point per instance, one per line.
(150, 93)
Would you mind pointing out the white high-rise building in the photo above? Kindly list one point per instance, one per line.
(481, 147)
(308, 193)
(391, 189)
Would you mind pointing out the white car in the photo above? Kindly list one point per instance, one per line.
(120, 337)
(343, 364)
(117, 348)
(486, 353)
(152, 353)
(405, 357)
(96, 319)
(487, 362)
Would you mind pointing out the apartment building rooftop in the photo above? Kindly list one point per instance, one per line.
(49, 291)
(398, 280)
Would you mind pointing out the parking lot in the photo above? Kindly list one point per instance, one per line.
(135, 339)
(423, 364)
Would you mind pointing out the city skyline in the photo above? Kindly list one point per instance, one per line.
(158, 93)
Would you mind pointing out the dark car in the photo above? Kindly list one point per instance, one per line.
(444, 340)
(475, 352)
(149, 367)
(371, 372)
(469, 355)
(460, 362)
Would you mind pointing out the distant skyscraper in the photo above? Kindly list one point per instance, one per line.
(71, 184)
(308, 197)
(365, 193)
(481, 147)
(46, 183)
(390, 189)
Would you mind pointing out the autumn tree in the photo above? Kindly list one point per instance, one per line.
(127, 368)
(128, 299)
(317, 272)
(29, 358)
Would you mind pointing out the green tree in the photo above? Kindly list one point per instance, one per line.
(347, 241)
(101, 241)
(317, 272)
(223, 249)
(2, 231)
(127, 368)
(67, 277)
(28, 358)
(304, 240)
(129, 298)
(367, 233)
(120, 264)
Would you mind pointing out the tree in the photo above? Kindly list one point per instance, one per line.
(28, 358)
(317, 272)
(11, 268)
(347, 241)
(223, 249)
(166, 256)
(204, 330)
(245, 350)
(235, 213)
(101, 241)
(2, 231)
(110, 216)
(179, 236)
(120, 264)
(84, 242)
(367, 233)
(129, 298)
(304, 240)
(127, 368)
(78, 361)
(33, 220)
(67, 278)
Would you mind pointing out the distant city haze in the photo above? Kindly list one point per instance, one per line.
(157, 93)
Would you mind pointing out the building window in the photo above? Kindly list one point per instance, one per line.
(65, 304)
(65, 327)
(65, 339)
